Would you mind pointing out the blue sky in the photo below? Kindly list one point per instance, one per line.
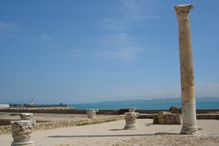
(80, 51)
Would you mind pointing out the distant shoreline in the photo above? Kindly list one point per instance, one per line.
(150, 104)
(65, 110)
(142, 104)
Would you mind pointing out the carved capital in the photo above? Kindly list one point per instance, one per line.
(91, 113)
(130, 118)
(183, 9)
(21, 130)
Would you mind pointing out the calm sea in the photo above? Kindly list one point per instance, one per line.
(201, 103)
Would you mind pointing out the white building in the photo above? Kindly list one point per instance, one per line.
(4, 105)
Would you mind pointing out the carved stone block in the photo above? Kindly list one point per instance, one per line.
(167, 118)
(91, 113)
(130, 119)
(21, 133)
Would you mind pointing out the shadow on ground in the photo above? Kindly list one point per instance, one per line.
(115, 135)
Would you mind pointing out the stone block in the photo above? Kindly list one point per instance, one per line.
(167, 118)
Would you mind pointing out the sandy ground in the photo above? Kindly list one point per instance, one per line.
(112, 134)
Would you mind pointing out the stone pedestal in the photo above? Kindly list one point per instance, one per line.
(91, 113)
(26, 116)
(167, 118)
(130, 119)
(132, 109)
(186, 70)
(21, 133)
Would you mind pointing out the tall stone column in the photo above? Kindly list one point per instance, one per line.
(186, 70)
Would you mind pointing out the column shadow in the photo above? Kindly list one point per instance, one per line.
(116, 129)
(148, 124)
(114, 135)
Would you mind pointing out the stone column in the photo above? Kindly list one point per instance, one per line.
(130, 119)
(21, 133)
(91, 113)
(186, 70)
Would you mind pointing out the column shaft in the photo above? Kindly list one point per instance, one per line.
(186, 71)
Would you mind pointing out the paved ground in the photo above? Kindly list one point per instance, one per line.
(112, 133)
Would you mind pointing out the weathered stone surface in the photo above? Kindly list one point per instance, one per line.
(186, 70)
(5, 129)
(26, 116)
(174, 109)
(130, 119)
(91, 113)
(167, 118)
(21, 132)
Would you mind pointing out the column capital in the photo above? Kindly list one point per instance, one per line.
(183, 9)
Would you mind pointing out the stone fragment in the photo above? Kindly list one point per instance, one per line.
(26, 116)
(130, 119)
(174, 109)
(167, 118)
(91, 113)
(21, 133)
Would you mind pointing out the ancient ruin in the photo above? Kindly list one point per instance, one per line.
(187, 71)
(130, 119)
(21, 133)
(26, 116)
(91, 113)
(167, 118)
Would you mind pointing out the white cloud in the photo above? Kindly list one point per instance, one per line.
(130, 12)
(17, 32)
(119, 46)
(113, 46)
(9, 30)
(9, 27)
(119, 43)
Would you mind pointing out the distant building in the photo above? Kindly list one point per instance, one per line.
(4, 105)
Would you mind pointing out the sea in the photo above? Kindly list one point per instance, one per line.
(149, 104)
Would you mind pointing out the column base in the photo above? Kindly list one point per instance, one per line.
(130, 127)
(29, 143)
(189, 130)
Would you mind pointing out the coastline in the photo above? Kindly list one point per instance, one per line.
(68, 110)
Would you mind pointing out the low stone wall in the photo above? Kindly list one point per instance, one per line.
(60, 110)
(198, 116)
(145, 116)
(208, 116)
(59, 124)
(4, 122)
(5, 129)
